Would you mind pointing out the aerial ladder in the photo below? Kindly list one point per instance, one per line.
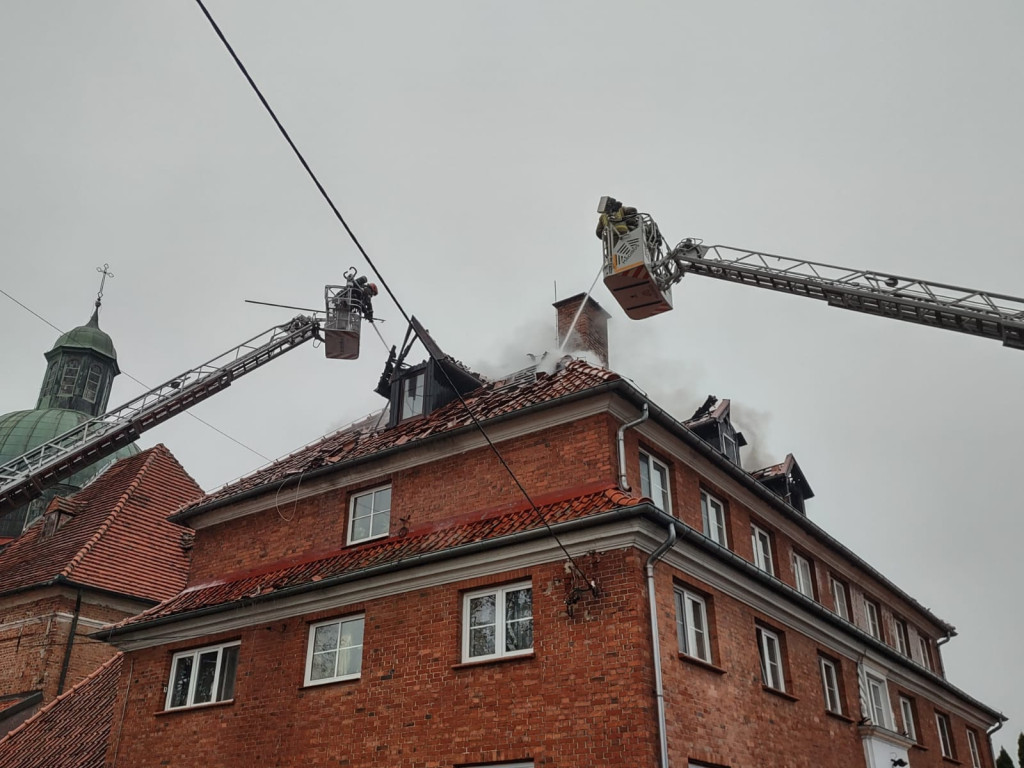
(346, 306)
(640, 270)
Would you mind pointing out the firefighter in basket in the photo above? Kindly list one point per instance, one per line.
(622, 218)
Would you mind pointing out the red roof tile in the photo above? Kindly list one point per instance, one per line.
(116, 535)
(72, 731)
(488, 402)
(428, 538)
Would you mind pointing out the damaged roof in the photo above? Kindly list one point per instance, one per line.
(489, 524)
(111, 535)
(72, 731)
(492, 400)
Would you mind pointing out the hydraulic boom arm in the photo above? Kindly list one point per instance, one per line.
(640, 274)
(25, 477)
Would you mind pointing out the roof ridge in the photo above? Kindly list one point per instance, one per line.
(117, 657)
(112, 515)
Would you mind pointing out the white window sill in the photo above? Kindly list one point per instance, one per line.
(194, 707)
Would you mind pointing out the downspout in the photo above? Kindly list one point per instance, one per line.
(659, 684)
(623, 485)
(943, 640)
(71, 641)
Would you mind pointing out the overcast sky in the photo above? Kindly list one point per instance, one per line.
(468, 143)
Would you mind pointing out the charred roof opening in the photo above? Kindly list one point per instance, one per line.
(713, 424)
(417, 390)
(788, 481)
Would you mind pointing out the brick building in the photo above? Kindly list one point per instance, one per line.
(106, 553)
(389, 596)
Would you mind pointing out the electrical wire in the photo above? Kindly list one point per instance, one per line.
(355, 240)
(142, 384)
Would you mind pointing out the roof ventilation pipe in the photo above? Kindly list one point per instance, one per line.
(623, 484)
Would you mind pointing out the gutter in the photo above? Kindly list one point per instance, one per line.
(621, 438)
(659, 683)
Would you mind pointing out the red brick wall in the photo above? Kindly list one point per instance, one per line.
(561, 458)
(584, 698)
(32, 654)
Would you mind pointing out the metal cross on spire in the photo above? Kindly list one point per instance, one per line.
(105, 271)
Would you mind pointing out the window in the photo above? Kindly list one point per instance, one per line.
(907, 715)
(70, 377)
(972, 744)
(770, 649)
(840, 605)
(945, 735)
(692, 625)
(804, 575)
(92, 383)
(202, 676)
(902, 636)
(654, 482)
(712, 514)
(762, 543)
(335, 650)
(878, 700)
(871, 613)
(497, 623)
(370, 515)
(412, 394)
(830, 685)
(926, 651)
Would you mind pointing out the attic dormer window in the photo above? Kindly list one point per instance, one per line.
(412, 395)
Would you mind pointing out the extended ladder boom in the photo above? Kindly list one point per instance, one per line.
(979, 313)
(25, 477)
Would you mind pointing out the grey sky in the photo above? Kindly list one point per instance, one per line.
(468, 144)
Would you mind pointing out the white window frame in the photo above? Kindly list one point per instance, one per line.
(945, 735)
(907, 716)
(69, 378)
(871, 611)
(692, 627)
(879, 705)
(218, 682)
(830, 685)
(761, 541)
(414, 406)
(342, 623)
(926, 651)
(374, 514)
(840, 605)
(653, 468)
(972, 745)
(92, 383)
(902, 636)
(500, 639)
(803, 575)
(769, 648)
(712, 512)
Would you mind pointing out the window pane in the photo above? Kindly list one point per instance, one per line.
(382, 499)
(481, 611)
(325, 638)
(180, 680)
(700, 638)
(659, 490)
(360, 529)
(519, 635)
(351, 633)
(323, 665)
(519, 604)
(381, 524)
(645, 477)
(228, 668)
(363, 506)
(205, 672)
(350, 661)
(481, 641)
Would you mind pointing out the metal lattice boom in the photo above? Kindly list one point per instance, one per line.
(25, 477)
(980, 313)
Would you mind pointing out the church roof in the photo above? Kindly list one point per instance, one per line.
(114, 536)
(88, 336)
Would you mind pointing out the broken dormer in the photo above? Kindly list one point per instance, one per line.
(417, 390)
(788, 481)
(713, 424)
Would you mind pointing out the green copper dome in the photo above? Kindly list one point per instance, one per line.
(21, 431)
(88, 336)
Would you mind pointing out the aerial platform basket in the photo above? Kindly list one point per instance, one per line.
(343, 325)
(632, 248)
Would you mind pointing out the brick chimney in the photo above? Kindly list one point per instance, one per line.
(591, 332)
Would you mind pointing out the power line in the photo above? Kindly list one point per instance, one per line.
(355, 240)
(141, 384)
